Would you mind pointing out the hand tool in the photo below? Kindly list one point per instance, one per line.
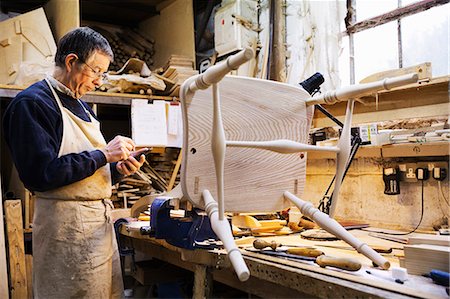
(261, 244)
(322, 260)
(378, 249)
(298, 250)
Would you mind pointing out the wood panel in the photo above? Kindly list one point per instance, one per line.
(173, 29)
(96, 97)
(3, 265)
(252, 110)
(17, 268)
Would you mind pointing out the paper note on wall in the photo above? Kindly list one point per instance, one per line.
(148, 123)
(175, 127)
(157, 124)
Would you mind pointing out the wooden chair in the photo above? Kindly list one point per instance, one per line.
(245, 148)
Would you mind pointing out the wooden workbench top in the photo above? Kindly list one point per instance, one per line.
(288, 273)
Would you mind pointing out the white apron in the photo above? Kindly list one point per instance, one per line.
(74, 247)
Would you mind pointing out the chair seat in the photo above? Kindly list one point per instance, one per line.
(252, 110)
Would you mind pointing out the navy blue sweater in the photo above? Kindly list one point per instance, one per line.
(33, 131)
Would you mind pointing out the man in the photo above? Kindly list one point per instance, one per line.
(61, 156)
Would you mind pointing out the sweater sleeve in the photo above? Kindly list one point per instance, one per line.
(33, 132)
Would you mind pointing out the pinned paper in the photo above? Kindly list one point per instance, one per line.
(157, 123)
(148, 123)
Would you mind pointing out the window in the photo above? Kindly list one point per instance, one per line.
(390, 34)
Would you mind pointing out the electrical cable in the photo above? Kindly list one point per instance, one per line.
(442, 193)
(420, 222)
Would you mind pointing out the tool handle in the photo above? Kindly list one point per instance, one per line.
(261, 244)
(305, 252)
(381, 249)
(341, 263)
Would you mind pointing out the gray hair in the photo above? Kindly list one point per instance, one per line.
(82, 41)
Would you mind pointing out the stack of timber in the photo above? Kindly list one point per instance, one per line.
(152, 178)
(175, 72)
(127, 43)
(163, 164)
(426, 253)
(136, 77)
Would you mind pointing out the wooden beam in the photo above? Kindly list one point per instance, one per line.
(3, 271)
(394, 15)
(175, 172)
(17, 268)
(278, 51)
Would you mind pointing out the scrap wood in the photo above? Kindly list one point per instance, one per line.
(245, 221)
(127, 80)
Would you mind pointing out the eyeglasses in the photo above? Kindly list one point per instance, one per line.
(97, 74)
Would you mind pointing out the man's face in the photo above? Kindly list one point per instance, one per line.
(86, 75)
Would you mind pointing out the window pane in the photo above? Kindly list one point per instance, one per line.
(344, 62)
(376, 50)
(425, 38)
(408, 2)
(366, 9)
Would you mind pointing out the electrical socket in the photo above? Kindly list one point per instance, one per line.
(409, 175)
(408, 171)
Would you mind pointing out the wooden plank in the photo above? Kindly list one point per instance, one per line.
(422, 258)
(252, 110)
(37, 40)
(395, 14)
(430, 239)
(175, 172)
(416, 149)
(29, 267)
(425, 99)
(17, 268)
(97, 97)
(423, 70)
(63, 15)
(202, 282)
(331, 275)
(4, 293)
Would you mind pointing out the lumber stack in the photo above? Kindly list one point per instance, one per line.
(152, 178)
(128, 43)
(422, 258)
(177, 69)
(427, 252)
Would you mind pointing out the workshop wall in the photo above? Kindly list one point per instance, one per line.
(362, 196)
(313, 39)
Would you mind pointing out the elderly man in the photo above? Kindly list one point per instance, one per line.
(61, 156)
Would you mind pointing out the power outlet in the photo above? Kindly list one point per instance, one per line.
(437, 169)
(409, 173)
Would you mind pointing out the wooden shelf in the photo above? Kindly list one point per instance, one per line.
(431, 149)
(95, 97)
(424, 99)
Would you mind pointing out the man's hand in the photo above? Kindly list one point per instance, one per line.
(131, 165)
(119, 148)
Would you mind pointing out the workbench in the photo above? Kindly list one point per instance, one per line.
(273, 277)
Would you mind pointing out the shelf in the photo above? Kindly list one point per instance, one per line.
(95, 97)
(126, 13)
(424, 99)
(431, 149)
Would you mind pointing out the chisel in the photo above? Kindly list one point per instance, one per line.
(378, 249)
(261, 244)
(322, 260)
